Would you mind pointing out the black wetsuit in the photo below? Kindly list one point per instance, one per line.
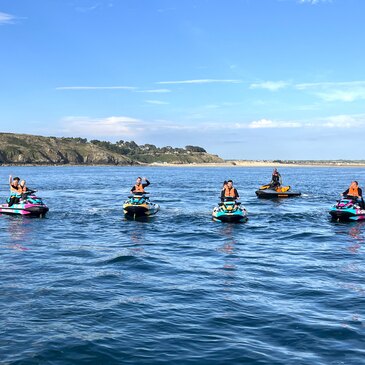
(275, 180)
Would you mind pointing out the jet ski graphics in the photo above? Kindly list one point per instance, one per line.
(30, 205)
(230, 212)
(139, 205)
(269, 192)
(347, 209)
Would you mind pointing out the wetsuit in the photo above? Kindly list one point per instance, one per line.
(275, 180)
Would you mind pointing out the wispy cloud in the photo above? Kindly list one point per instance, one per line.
(313, 2)
(343, 121)
(336, 121)
(267, 123)
(86, 9)
(270, 85)
(155, 91)
(156, 102)
(6, 18)
(335, 91)
(200, 81)
(96, 88)
(94, 6)
(128, 127)
(108, 126)
(310, 85)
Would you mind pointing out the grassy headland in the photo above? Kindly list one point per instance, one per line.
(24, 149)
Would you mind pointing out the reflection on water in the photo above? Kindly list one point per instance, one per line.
(356, 231)
(19, 232)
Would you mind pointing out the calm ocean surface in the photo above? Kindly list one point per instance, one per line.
(86, 286)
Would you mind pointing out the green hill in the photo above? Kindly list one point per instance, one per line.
(19, 149)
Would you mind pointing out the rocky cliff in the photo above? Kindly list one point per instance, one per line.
(39, 150)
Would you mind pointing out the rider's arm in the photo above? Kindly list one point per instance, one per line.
(146, 183)
(133, 189)
(345, 192)
(360, 192)
(236, 192)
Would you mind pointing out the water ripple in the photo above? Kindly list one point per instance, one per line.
(85, 285)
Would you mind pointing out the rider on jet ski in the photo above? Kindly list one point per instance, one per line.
(229, 192)
(139, 186)
(355, 192)
(276, 180)
(15, 191)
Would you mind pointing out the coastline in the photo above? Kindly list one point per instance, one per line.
(260, 163)
(226, 164)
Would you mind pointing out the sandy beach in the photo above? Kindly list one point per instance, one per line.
(264, 163)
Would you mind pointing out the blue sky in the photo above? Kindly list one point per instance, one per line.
(248, 79)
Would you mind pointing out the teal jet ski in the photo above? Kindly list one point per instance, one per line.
(230, 211)
(348, 209)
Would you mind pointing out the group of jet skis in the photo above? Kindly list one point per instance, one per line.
(350, 207)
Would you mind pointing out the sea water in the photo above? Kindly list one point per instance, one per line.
(84, 285)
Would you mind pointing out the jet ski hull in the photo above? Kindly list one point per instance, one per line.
(24, 209)
(238, 215)
(272, 194)
(140, 210)
(347, 210)
(139, 206)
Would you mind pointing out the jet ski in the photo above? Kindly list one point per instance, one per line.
(29, 205)
(139, 205)
(230, 211)
(348, 209)
(270, 192)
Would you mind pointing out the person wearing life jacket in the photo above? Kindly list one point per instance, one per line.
(229, 192)
(24, 189)
(355, 192)
(138, 188)
(276, 180)
(15, 191)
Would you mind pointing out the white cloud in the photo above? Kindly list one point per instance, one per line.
(86, 9)
(6, 18)
(200, 81)
(314, 2)
(335, 91)
(315, 85)
(270, 85)
(128, 127)
(96, 88)
(115, 125)
(267, 123)
(342, 95)
(344, 121)
(155, 91)
(156, 102)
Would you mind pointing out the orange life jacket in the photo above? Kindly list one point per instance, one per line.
(353, 191)
(138, 189)
(229, 192)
